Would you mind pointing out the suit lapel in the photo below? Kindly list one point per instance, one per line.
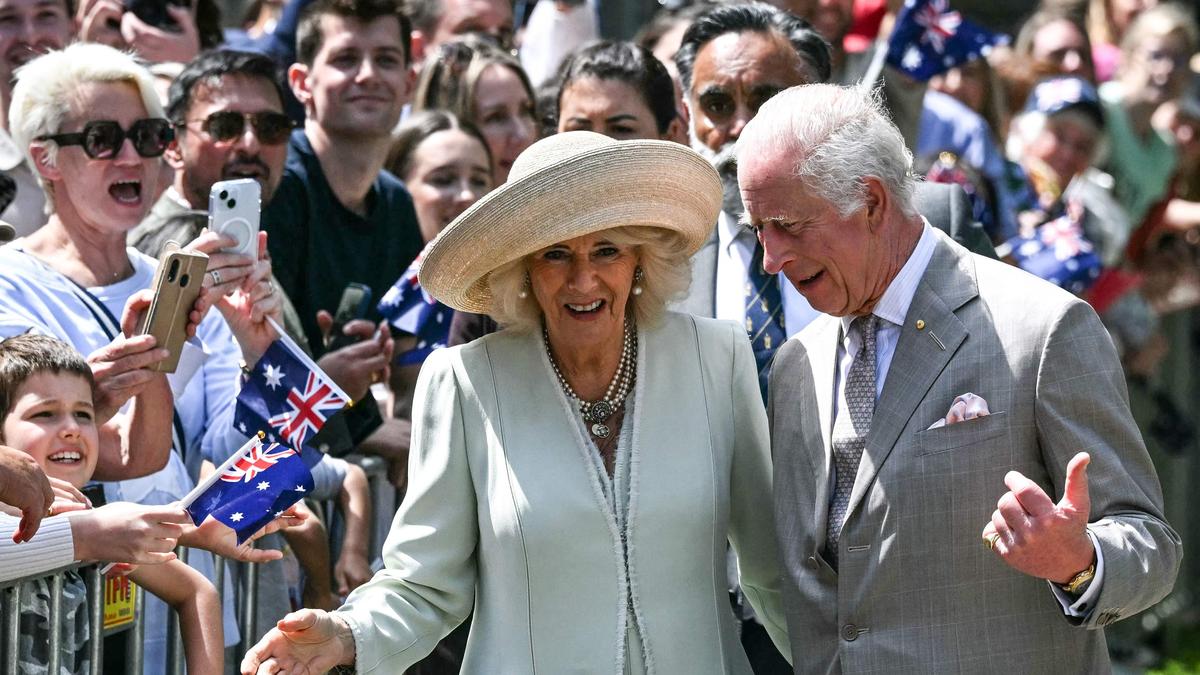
(948, 283)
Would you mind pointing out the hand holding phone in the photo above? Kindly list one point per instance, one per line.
(234, 207)
(177, 285)
(355, 303)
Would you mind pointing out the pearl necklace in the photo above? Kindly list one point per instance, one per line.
(596, 413)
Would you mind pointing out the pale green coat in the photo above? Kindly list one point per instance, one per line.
(505, 515)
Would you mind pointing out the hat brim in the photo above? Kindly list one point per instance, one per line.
(647, 183)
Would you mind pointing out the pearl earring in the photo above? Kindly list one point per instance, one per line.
(524, 292)
(637, 281)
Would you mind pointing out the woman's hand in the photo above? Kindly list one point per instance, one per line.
(121, 368)
(159, 45)
(247, 308)
(307, 641)
(66, 498)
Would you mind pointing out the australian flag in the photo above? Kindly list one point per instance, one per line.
(930, 38)
(254, 489)
(1059, 253)
(411, 309)
(287, 397)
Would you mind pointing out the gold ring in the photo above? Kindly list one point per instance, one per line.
(990, 541)
(375, 377)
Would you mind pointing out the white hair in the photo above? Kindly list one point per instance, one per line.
(48, 85)
(841, 136)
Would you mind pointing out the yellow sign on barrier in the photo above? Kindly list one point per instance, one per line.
(119, 596)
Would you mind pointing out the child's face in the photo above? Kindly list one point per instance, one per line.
(54, 422)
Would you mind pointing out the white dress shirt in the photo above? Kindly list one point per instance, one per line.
(735, 248)
(892, 309)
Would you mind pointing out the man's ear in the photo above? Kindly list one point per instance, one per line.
(173, 155)
(297, 77)
(676, 131)
(876, 201)
(42, 163)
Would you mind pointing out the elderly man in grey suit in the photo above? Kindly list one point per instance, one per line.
(959, 484)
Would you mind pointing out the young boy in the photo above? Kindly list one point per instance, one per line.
(46, 411)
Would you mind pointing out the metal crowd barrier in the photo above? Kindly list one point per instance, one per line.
(383, 504)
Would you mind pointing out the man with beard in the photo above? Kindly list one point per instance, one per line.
(731, 60)
(27, 28)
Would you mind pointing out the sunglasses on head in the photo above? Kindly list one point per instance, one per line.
(272, 128)
(102, 139)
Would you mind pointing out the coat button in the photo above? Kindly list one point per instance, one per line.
(811, 563)
(849, 632)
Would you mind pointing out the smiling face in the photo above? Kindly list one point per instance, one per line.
(29, 28)
(1158, 70)
(610, 107)
(109, 195)
(838, 263)
(202, 160)
(449, 171)
(504, 113)
(733, 75)
(582, 286)
(53, 421)
(359, 80)
(1066, 144)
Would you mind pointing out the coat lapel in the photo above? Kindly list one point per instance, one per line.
(948, 283)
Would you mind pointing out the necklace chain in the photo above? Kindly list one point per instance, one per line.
(597, 412)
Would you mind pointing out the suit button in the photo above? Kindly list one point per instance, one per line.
(811, 563)
(849, 632)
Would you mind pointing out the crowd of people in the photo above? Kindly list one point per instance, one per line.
(730, 347)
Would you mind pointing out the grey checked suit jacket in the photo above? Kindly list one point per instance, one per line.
(917, 592)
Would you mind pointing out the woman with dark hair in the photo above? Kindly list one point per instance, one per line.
(481, 84)
(618, 89)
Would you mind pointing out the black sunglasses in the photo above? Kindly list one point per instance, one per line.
(102, 139)
(272, 128)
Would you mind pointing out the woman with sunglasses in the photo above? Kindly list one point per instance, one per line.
(91, 125)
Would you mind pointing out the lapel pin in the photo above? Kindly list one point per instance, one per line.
(937, 341)
(920, 324)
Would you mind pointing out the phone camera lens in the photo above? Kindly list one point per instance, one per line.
(224, 194)
(232, 203)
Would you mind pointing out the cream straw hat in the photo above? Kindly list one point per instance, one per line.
(566, 186)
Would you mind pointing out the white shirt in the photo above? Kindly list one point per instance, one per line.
(735, 248)
(892, 308)
(52, 547)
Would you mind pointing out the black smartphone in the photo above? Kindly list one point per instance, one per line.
(355, 303)
(154, 12)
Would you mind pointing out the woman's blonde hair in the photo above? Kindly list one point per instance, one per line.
(451, 73)
(666, 274)
(48, 85)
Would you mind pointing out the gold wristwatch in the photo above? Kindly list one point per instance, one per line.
(1079, 583)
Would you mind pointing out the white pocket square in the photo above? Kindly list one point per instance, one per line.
(965, 407)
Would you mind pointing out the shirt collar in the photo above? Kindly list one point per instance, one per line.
(729, 230)
(893, 306)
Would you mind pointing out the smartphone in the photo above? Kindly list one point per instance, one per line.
(355, 303)
(233, 210)
(177, 284)
(154, 12)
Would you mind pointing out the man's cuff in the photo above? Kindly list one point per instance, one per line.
(1082, 606)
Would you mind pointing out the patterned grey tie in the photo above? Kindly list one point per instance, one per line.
(850, 429)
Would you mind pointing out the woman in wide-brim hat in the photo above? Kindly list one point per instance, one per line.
(574, 478)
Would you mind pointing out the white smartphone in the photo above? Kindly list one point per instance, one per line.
(233, 210)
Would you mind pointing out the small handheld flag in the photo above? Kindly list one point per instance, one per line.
(410, 308)
(286, 395)
(255, 485)
(929, 38)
